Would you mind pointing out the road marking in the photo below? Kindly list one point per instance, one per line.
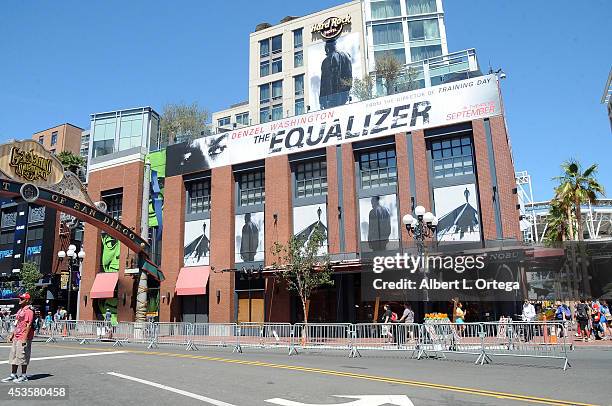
(397, 381)
(171, 389)
(362, 400)
(89, 354)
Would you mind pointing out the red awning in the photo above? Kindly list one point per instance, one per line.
(104, 285)
(192, 280)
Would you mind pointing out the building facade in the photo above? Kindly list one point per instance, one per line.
(64, 137)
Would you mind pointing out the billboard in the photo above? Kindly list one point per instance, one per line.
(308, 219)
(156, 195)
(197, 243)
(332, 65)
(378, 221)
(249, 237)
(457, 210)
(434, 106)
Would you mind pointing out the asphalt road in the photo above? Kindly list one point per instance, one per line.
(99, 374)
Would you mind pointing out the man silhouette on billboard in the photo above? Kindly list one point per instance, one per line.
(336, 77)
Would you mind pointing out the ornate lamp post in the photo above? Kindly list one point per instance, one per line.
(74, 258)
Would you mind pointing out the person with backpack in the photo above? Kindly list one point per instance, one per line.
(582, 316)
(596, 318)
(387, 318)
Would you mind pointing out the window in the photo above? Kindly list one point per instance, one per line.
(7, 238)
(224, 121)
(277, 44)
(424, 29)
(264, 48)
(297, 38)
(452, 157)
(399, 54)
(277, 90)
(311, 178)
(41, 139)
(198, 195)
(53, 138)
(264, 68)
(277, 112)
(420, 6)
(387, 33)
(251, 187)
(34, 244)
(277, 65)
(114, 203)
(385, 8)
(264, 114)
(299, 106)
(298, 59)
(242, 118)
(104, 137)
(264, 93)
(426, 52)
(377, 168)
(298, 82)
(130, 134)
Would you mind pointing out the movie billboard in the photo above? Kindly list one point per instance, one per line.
(197, 243)
(308, 220)
(378, 222)
(249, 237)
(456, 208)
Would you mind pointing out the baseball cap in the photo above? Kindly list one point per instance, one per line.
(25, 296)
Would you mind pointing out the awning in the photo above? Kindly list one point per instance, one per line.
(192, 280)
(104, 285)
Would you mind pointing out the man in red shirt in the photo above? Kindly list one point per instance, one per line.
(21, 337)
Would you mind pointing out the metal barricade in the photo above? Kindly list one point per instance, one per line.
(384, 336)
(170, 333)
(266, 335)
(441, 338)
(215, 334)
(322, 336)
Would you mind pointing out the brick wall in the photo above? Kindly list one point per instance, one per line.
(333, 223)
(403, 180)
(485, 185)
(421, 175)
(349, 202)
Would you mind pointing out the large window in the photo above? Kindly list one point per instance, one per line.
(41, 139)
(130, 134)
(420, 6)
(298, 82)
(277, 44)
(424, 29)
(277, 112)
(53, 138)
(114, 203)
(277, 90)
(277, 65)
(452, 157)
(298, 59)
(425, 52)
(297, 38)
(264, 114)
(385, 8)
(377, 168)
(34, 244)
(264, 68)
(251, 187)
(198, 195)
(264, 93)
(387, 33)
(399, 54)
(299, 106)
(310, 178)
(223, 121)
(242, 118)
(264, 48)
(104, 137)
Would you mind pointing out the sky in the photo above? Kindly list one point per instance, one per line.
(60, 61)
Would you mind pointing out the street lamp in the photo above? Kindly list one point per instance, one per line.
(74, 258)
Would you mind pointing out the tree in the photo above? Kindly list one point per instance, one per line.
(300, 266)
(362, 88)
(30, 276)
(577, 187)
(389, 68)
(182, 122)
(71, 162)
(557, 225)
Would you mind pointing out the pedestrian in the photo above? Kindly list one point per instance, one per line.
(387, 319)
(37, 322)
(48, 321)
(63, 314)
(562, 316)
(528, 315)
(21, 339)
(408, 318)
(582, 316)
(606, 319)
(58, 314)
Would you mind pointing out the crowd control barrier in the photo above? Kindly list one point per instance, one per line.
(483, 341)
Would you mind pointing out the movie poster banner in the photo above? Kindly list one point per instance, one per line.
(307, 220)
(378, 222)
(249, 237)
(457, 210)
(197, 243)
(434, 106)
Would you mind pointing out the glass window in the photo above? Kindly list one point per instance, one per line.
(310, 178)
(264, 93)
(251, 187)
(298, 59)
(424, 29)
(297, 38)
(242, 118)
(385, 8)
(277, 112)
(277, 65)
(377, 168)
(264, 114)
(420, 6)
(198, 196)
(452, 157)
(299, 106)
(41, 139)
(104, 137)
(130, 134)
(426, 52)
(114, 205)
(298, 82)
(387, 33)
(277, 44)
(399, 54)
(223, 121)
(53, 138)
(264, 68)
(264, 48)
(277, 90)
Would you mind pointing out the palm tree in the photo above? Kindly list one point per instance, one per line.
(71, 162)
(558, 227)
(577, 187)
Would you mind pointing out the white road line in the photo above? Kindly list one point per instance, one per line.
(5, 346)
(89, 354)
(170, 389)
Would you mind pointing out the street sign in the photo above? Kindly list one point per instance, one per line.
(361, 400)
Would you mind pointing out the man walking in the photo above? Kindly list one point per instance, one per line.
(528, 315)
(21, 339)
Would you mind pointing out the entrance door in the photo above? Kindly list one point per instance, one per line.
(195, 308)
(251, 310)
